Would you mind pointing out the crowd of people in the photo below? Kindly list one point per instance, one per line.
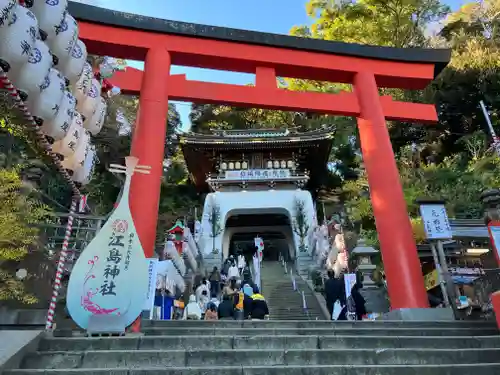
(229, 294)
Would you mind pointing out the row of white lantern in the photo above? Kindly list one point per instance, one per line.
(270, 164)
(280, 164)
(41, 54)
(234, 165)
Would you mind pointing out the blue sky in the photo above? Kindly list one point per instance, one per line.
(275, 16)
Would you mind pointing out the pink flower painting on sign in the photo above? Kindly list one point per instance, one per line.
(89, 293)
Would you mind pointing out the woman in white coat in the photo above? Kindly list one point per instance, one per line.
(192, 310)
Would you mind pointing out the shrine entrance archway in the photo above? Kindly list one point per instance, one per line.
(271, 224)
(161, 43)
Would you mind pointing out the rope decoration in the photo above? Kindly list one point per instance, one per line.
(60, 267)
(5, 83)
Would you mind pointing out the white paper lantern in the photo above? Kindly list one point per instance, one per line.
(66, 36)
(30, 76)
(67, 145)
(18, 37)
(58, 127)
(73, 66)
(50, 14)
(46, 103)
(88, 106)
(6, 11)
(94, 124)
(84, 173)
(77, 160)
(83, 84)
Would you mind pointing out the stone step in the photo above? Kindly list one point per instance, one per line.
(326, 324)
(162, 359)
(454, 369)
(265, 342)
(366, 331)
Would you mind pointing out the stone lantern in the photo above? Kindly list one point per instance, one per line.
(375, 296)
(364, 259)
(491, 205)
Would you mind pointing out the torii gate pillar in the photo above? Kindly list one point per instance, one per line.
(148, 144)
(399, 252)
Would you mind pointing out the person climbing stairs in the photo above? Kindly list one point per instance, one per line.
(283, 301)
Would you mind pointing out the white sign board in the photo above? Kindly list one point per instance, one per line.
(258, 174)
(436, 223)
(152, 271)
(111, 275)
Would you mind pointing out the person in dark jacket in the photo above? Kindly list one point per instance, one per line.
(226, 308)
(359, 301)
(259, 305)
(334, 290)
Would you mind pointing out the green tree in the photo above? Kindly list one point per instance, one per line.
(393, 23)
(18, 236)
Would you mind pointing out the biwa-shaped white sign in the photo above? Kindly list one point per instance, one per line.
(111, 275)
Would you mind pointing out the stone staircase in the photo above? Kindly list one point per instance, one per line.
(275, 347)
(283, 301)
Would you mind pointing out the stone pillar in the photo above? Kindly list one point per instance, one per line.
(399, 251)
(148, 144)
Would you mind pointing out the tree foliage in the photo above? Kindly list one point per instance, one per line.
(19, 213)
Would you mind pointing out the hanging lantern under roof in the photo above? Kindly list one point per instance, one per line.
(224, 166)
(269, 164)
(276, 164)
(244, 165)
(231, 165)
(237, 165)
(283, 164)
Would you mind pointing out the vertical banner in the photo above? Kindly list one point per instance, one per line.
(83, 204)
(152, 272)
(349, 281)
(259, 244)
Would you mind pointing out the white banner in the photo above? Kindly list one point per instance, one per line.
(152, 270)
(349, 281)
(258, 174)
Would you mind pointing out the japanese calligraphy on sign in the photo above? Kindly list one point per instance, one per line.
(436, 223)
(258, 174)
(111, 276)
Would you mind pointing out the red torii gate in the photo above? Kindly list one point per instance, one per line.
(161, 43)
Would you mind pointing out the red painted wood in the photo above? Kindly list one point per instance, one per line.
(148, 144)
(405, 280)
(399, 251)
(239, 57)
(263, 96)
